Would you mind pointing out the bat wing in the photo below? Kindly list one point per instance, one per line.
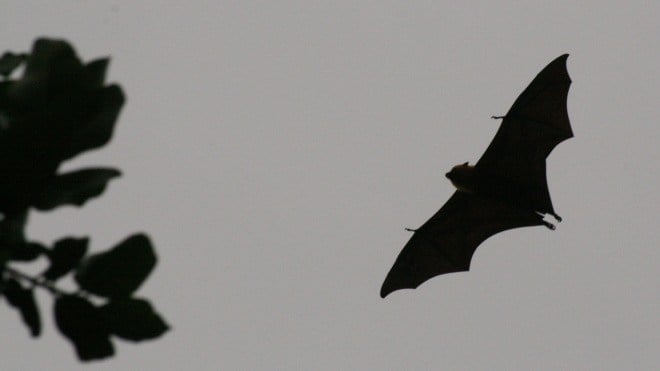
(447, 241)
(535, 124)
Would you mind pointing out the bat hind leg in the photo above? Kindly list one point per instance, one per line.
(548, 224)
(557, 217)
(410, 230)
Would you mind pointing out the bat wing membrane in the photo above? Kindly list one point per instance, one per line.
(447, 241)
(535, 124)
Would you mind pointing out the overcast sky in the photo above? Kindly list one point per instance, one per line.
(275, 150)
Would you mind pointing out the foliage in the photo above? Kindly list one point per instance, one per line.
(56, 110)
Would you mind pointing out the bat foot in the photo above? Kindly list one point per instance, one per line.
(410, 230)
(557, 217)
(497, 117)
(549, 225)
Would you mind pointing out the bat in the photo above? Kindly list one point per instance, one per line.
(507, 188)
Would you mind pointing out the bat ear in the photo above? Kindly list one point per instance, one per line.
(465, 164)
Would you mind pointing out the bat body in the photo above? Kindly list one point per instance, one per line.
(505, 189)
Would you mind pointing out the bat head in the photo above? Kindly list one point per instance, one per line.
(462, 177)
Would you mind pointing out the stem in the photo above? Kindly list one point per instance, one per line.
(36, 281)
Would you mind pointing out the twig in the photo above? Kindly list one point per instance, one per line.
(36, 281)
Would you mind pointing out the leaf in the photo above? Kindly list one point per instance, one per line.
(94, 73)
(12, 239)
(23, 300)
(75, 188)
(27, 251)
(62, 104)
(4, 256)
(81, 322)
(52, 67)
(12, 229)
(65, 256)
(97, 130)
(133, 319)
(9, 61)
(119, 271)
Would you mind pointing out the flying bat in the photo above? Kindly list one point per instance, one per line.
(507, 188)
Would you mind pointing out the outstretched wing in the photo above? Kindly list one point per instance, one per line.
(447, 241)
(535, 124)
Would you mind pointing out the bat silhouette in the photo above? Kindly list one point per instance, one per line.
(506, 189)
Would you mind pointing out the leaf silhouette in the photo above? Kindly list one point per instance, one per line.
(4, 256)
(52, 67)
(58, 108)
(103, 107)
(9, 61)
(119, 271)
(94, 73)
(23, 300)
(65, 256)
(12, 239)
(133, 319)
(12, 229)
(26, 251)
(81, 322)
(75, 188)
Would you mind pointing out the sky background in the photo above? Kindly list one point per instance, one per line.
(275, 151)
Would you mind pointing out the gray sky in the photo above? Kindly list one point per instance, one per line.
(274, 151)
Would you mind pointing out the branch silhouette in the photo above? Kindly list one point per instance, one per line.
(57, 109)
